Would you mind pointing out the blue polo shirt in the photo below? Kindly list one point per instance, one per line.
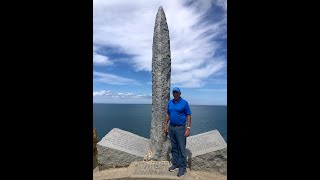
(178, 111)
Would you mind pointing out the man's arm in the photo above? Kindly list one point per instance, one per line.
(189, 120)
(166, 123)
(187, 132)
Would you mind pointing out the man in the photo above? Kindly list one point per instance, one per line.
(179, 114)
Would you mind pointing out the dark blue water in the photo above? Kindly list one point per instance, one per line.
(136, 118)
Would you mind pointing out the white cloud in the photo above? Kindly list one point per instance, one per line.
(195, 77)
(222, 3)
(128, 26)
(217, 81)
(101, 59)
(205, 4)
(102, 93)
(108, 96)
(109, 93)
(113, 79)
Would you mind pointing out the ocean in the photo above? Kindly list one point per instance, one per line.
(136, 118)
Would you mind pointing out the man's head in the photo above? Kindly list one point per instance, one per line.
(176, 92)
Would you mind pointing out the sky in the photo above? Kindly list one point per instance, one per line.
(122, 50)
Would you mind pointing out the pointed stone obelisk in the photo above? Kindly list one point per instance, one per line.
(161, 73)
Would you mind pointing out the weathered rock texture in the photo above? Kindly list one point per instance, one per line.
(215, 161)
(161, 72)
(111, 158)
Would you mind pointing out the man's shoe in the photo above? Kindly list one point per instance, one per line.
(181, 172)
(173, 168)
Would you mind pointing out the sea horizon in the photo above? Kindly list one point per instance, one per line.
(136, 118)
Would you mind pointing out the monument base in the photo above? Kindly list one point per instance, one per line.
(206, 151)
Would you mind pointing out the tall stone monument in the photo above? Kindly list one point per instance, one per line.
(161, 73)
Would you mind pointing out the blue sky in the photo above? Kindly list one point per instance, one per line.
(122, 50)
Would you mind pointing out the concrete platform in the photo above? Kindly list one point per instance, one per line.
(143, 170)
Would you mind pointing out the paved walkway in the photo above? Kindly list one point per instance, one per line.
(153, 170)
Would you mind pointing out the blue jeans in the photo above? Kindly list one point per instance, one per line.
(178, 142)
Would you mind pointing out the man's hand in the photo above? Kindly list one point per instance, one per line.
(187, 132)
(166, 129)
